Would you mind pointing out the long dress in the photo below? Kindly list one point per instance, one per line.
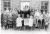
(30, 22)
(19, 22)
(26, 22)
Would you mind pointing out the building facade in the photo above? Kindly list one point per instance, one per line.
(41, 5)
(36, 4)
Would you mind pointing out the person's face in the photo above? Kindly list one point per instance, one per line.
(31, 17)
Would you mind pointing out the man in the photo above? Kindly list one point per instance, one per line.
(5, 18)
(43, 20)
(40, 20)
(47, 18)
(37, 15)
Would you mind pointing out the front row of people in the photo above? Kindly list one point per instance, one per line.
(20, 22)
(30, 22)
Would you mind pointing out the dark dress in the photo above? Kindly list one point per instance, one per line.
(39, 23)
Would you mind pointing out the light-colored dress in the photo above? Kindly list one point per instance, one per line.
(19, 22)
(30, 22)
(26, 22)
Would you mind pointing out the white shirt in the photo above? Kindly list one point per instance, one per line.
(37, 14)
(41, 17)
(19, 22)
(6, 12)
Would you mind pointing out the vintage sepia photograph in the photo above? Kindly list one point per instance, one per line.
(25, 15)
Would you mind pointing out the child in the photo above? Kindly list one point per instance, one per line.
(30, 21)
(19, 21)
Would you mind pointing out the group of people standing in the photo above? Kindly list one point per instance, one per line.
(35, 20)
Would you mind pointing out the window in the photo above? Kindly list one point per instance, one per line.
(6, 4)
(44, 5)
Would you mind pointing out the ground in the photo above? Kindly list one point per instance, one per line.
(24, 32)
